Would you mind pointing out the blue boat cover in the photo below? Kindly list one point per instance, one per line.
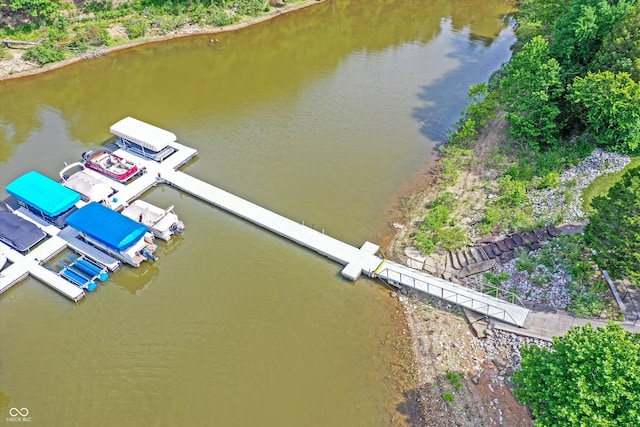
(43, 193)
(108, 227)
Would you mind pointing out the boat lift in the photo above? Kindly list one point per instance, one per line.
(82, 272)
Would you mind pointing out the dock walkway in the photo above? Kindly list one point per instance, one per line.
(356, 261)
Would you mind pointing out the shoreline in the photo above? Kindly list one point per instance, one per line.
(7, 73)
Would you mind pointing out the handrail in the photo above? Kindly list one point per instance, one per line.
(484, 310)
(505, 292)
(627, 294)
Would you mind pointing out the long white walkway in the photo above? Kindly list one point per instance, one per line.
(356, 261)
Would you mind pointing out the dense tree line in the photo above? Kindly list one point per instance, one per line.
(574, 78)
(575, 72)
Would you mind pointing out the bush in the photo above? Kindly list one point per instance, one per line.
(92, 35)
(586, 378)
(513, 193)
(43, 54)
(98, 6)
(550, 180)
(136, 27)
(452, 238)
(252, 7)
(167, 24)
(222, 18)
(609, 104)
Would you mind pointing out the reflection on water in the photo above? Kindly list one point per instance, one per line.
(321, 116)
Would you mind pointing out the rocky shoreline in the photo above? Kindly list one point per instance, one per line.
(486, 363)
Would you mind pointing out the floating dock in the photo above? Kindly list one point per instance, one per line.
(356, 261)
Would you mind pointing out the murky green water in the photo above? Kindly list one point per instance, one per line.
(320, 115)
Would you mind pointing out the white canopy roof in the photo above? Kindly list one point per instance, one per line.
(143, 134)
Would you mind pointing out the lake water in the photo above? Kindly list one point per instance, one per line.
(321, 115)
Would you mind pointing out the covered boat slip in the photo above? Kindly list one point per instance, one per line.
(143, 139)
(90, 186)
(42, 195)
(106, 226)
(19, 233)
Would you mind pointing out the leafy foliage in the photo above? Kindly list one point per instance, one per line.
(530, 90)
(589, 377)
(481, 107)
(43, 54)
(581, 29)
(93, 34)
(614, 229)
(620, 50)
(436, 230)
(611, 105)
(44, 10)
(136, 27)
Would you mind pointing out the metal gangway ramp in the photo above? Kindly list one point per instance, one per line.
(479, 302)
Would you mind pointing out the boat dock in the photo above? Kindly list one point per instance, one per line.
(356, 261)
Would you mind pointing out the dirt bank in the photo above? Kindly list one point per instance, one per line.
(459, 383)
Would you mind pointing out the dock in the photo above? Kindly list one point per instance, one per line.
(24, 265)
(356, 261)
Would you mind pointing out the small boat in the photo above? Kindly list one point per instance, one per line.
(114, 233)
(163, 223)
(108, 164)
(19, 233)
(91, 188)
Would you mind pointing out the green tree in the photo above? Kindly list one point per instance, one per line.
(620, 49)
(609, 106)
(588, 377)
(579, 32)
(537, 18)
(614, 227)
(530, 89)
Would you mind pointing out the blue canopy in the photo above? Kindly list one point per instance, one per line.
(43, 193)
(108, 227)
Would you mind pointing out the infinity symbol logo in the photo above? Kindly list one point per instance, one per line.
(14, 412)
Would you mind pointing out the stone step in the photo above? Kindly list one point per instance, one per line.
(476, 268)
(511, 245)
(502, 245)
(495, 248)
(489, 251)
(479, 254)
(455, 264)
(517, 239)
